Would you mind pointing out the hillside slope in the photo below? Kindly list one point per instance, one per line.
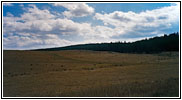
(153, 45)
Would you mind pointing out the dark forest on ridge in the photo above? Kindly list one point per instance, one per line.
(152, 45)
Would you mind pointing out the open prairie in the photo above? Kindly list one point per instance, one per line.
(89, 74)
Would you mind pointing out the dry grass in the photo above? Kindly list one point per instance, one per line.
(89, 73)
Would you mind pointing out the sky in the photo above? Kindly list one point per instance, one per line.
(47, 25)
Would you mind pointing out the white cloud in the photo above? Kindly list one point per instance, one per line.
(9, 14)
(152, 20)
(21, 5)
(33, 13)
(32, 41)
(32, 19)
(76, 9)
(33, 28)
(7, 4)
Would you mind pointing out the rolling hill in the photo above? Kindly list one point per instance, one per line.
(152, 45)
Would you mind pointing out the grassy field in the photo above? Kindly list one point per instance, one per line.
(89, 74)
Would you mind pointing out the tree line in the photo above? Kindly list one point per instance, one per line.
(152, 45)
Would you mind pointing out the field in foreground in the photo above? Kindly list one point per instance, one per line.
(90, 74)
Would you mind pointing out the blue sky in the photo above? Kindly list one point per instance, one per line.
(44, 25)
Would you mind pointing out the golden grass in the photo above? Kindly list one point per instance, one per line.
(89, 73)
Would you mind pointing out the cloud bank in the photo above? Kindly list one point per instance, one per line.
(41, 28)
